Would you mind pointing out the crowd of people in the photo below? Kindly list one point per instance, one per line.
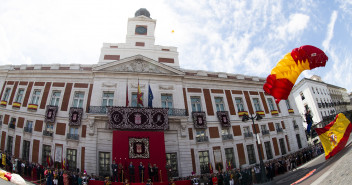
(249, 175)
(252, 174)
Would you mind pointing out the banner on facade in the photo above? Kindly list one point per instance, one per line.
(58, 154)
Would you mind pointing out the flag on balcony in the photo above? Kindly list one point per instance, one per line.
(150, 98)
(210, 168)
(139, 96)
(334, 136)
(127, 102)
(62, 163)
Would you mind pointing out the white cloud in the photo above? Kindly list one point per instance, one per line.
(296, 24)
(330, 30)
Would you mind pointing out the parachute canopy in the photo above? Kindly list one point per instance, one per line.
(284, 75)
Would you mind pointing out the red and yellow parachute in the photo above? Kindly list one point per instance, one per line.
(284, 75)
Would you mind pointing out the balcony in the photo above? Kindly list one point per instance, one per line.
(290, 111)
(16, 105)
(295, 127)
(47, 133)
(103, 110)
(241, 113)
(201, 139)
(274, 112)
(73, 136)
(12, 125)
(3, 103)
(227, 137)
(32, 107)
(248, 134)
(319, 105)
(265, 132)
(28, 129)
(278, 130)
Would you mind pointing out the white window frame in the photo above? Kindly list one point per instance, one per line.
(6, 94)
(78, 99)
(109, 99)
(165, 103)
(271, 104)
(220, 106)
(35, 97)
(197, 105)
(259, 104)
(54, 98)
(19, 95)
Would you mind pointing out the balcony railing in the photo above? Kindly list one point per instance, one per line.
(248, 134)
(227, 137)
(73, 136)
(47, 133)
(103, 110)
(97, 109)
(200, 139)
(177, 112)
(279, 130)
(295, 127)
(28, 129)
(265, 132)
(11, 125)
(319, 105)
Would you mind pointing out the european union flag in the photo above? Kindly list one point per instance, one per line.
(150, 98)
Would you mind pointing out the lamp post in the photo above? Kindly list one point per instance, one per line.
(262, 167)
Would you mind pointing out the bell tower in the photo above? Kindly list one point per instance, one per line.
(140, 29)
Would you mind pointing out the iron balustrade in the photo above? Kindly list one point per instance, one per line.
(248, 134)
(73, 136)
(200, 139)
(265, 132)
(11, 125)
(28, 129)
(319, 105)
(47, 133)
(279, 130)
(171, 111)
(227, 137)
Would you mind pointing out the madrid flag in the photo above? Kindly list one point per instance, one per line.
(334, 136)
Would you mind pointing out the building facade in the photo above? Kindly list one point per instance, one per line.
(62, 111)
(321, 99)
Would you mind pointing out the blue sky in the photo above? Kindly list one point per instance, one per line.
(244, 37)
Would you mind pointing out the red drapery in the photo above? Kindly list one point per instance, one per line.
(120, 151)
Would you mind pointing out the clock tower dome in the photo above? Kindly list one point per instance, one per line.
(140, 29)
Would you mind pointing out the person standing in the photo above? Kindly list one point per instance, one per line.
(156, 176)
(141, 172)
(150, 172)
(114, 168)
(131, 172)
(120, 171)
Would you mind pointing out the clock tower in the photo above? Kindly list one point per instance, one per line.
(140, 29)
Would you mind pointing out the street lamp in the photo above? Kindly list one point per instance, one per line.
(262, 167)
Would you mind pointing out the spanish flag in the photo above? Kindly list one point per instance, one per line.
(139, 96)
(334, 136)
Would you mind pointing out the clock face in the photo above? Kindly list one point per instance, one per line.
(141, 30)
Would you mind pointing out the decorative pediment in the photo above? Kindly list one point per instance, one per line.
(139, 64)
